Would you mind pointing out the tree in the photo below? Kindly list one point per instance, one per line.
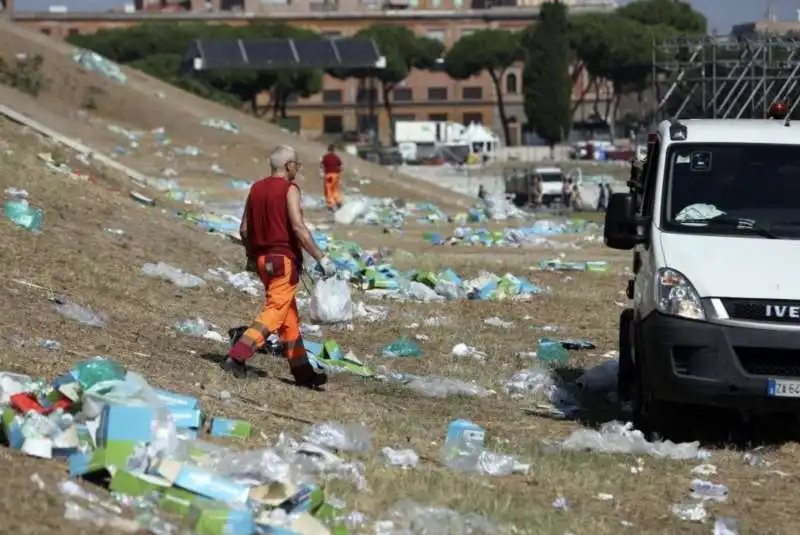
(492, 51)
(289, 83)
(403, 50)
(546, 81)
(674, 13)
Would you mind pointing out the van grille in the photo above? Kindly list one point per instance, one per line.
(776, 311)
(769, 361)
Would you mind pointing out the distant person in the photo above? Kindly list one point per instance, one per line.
(482, 193)
(331, 171)
(575, 198)
(602, 199)
(538, 191)
(274, 235)
(566, 192)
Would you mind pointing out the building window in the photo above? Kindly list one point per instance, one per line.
(332, 96)
(405, 94)
(367, 123)
(471, 117)
(46, 31)
(472, 92)
(365, 96)
(511, 84)
(439, 35)
(438, 117)
(332, 124)
(437, 93)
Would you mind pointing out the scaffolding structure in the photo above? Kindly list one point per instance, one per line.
(726, 77)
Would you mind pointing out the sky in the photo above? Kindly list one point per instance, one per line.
(722, 14)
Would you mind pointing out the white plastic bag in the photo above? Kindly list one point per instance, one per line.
(331, 302)
(352, 210)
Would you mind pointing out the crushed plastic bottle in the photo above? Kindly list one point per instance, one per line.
(76, 312)
(336, 436)
(172, 274)
(402, 348)
(726, 526)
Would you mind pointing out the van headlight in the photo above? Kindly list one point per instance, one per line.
(675, 296)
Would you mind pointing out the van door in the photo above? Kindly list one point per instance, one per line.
(644, 261)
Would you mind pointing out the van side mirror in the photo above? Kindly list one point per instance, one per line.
(620, 226)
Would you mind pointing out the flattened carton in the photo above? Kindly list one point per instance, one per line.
(125, 423)
(137, 483)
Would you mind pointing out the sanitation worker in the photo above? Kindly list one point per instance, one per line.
(331, 169)
(274, 236)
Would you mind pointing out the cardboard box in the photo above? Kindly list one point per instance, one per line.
(186, 418)
(219, 520)
(113, 455)
(137, 483)
(171, 399)
(202, 482)
(125, 423)
(223, 427)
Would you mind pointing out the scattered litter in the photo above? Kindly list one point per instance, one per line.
(403, 458)
(410, 518)
(693, 512)
(199, 327)
(172, 274)
(221, 124)
(465, 351)
(94, 62)
(705, 470)
(76, 312)
(706, 490)
(402, 348)
(497, 322)
(726, 526)
(19, 212)
(616, 437)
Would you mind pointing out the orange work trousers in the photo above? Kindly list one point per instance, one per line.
(280, 276)
(332, 195)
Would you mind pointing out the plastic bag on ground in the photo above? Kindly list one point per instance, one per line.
(616, 437)
(332, 301)
(350, 211)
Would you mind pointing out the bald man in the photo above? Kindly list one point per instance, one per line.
(274, 235)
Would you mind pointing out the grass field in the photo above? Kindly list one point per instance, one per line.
(564, 492)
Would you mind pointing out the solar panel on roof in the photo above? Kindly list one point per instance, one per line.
(222, 55)
(316, 54)
(356, 53)
(270, 54)
(277, 54)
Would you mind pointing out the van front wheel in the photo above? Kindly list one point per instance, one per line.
(650, 416)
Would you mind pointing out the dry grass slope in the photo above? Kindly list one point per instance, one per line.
(74, 257)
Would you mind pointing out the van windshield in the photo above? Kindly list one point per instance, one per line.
(733, 189)
(552, 177)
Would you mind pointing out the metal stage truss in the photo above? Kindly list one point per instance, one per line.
(725, 77)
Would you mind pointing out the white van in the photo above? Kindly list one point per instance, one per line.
(713, 218)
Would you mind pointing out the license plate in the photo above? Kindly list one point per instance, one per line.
(783, 389)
